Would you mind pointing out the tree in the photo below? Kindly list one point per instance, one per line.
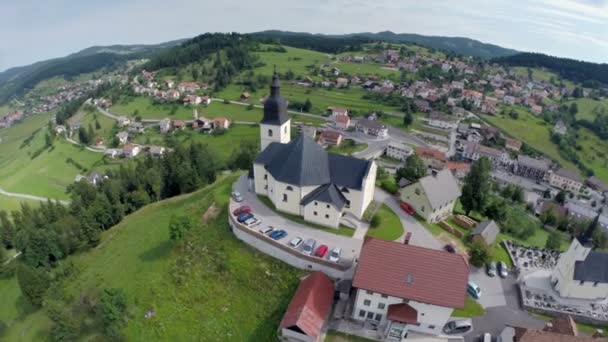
(91, 133)
(413, 170)
(307, 105)
(33, 283)
(554, 240)
(242, 158)
(549, 217)
(517, 194)
(408, 118)
(178, 227)
(573, 109)
(480, 253)
(376, 221)
(7, 230)
(497, 210)
(97, 125)
(476, 189)
(83, 136)
(560, 197)
(113, 310)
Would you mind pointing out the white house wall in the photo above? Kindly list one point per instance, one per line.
(321, 209)
(281, 134)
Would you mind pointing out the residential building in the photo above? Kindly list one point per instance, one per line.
(372, 127)
(560, 128)
(559, 329)
(434, 196)
(221, 123)
(157, 151)
(459, 169)
(432, 158)
(136, 127)
(301, 178)
(131, 150)
(566, 179)
(509, 100)
(404, 288)
(335, 111)
(330, 138)
(188, 87)
(486, 230)
(341, 82)
(165, 126)
(206, 100)
(512, 144)
(597, 185)
(179, 124)
(193, 100)
(308, 310)
(112, 153)
(473, 151)
(123, 137)
(399, 151)
(172, 94)
(342, 121)
(443, 121)
(123, 121)
(531, 167)
(536, 109)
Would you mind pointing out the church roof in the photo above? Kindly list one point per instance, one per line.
(275, 106)
(593, 268)
(328, 193)
(303, 162)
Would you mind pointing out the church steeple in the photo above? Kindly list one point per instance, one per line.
(275, 125)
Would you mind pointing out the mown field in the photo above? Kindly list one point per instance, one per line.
(199, 289)
(586, 108)
(594, 153)
(11, 203)
(47, 174)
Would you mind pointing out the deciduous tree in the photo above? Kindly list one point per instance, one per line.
(476, 188)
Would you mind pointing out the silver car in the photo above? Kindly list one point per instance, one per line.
(295, 242)
(309, 246)
(491, 269)
(503, 271)
(236, 196)
(461, 326)
(334, 256)
(252, 222)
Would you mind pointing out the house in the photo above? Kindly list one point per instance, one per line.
(579, 212)
(443, 121)
(473, 151)
(422, 106)
(434, 196)
(188, 87)
(341, 82)
(432, 158)
(330, 138)
(335, 111)
(531, 167)
(560, 329)
(112, 153)
(372, 127)
(245, 96)
(566, 179)
(342, 121)
(131, 150)
(179, 124)
(560, 128)
(512, 144)
(597, 185)
(509, 100)
(123, 137)
(172, 95)
(123, 121)
(221, 123)
(399, 151)
(136, 127)
(169, 84)
(301, 178)
(308, 310)
(156, 151)
(165, 126)
(536, 109)
(60, 129)
(459, 169)
(203, 124)
(193, 100)
(582, 272)
(486, 230)
(206, 100)
(404, 289)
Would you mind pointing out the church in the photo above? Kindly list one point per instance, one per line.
(303, 179)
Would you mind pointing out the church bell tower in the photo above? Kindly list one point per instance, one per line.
(276, 124)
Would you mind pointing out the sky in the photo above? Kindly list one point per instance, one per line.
(33, 30)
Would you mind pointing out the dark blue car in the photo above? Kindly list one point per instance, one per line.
(278, 234)
(244, 217)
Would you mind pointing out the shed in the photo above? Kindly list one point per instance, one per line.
(488, 230)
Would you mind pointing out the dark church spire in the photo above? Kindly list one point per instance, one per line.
(275, 107)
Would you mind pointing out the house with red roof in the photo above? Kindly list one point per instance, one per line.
(342, 121)
(404, 288)
(310, 306)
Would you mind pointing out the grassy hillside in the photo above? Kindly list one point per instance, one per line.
(199, 290)
(594, 153)
(10, 203)
(588, 108)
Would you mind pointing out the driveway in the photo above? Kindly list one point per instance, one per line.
(420, 235)
(350, 247)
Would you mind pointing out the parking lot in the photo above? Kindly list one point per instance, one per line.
(350, 246)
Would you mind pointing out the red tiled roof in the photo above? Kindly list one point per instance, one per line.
(330, 135)
(338, 109)
(529, 335)
(402, 313)
(342, 118)
(437, 277)
(562, 325)
(430, 153)
(310, 305)
(458, 166)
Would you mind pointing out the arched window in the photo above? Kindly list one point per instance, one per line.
(289, 188)
(270, 132)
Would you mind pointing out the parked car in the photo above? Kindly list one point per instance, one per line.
(252, 222)
(267, 230)
(460, 326)
(407, 208)
(309, 246)
(295, 242)
(408, 236)
(487, 337)
(321, 251)
(278, 234)
(473, 290)
(334, 256)
(503, 270)
(237, 196)
(491, 269)
(245, 209)
(244, 217)
(449, 248)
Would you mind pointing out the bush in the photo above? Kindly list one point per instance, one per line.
(480, 253)
(389, 186)
(376, 221)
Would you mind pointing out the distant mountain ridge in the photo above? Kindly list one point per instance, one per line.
(457, 45)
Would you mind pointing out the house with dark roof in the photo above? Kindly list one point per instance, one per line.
(434, 196)
(372, 127)
(404, 288)
(486, 230)
(582, 272)
(566, 179)
(308, 310)
(301, 178)
(531, 167)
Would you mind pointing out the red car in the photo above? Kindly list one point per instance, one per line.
(407, 208)
(321, 251)
(242, 210)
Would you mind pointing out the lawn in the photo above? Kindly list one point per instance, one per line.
(199, 289)
(348, 147)
(390, 227)
(594, 153)
(11, 203)
(342, 230)
(337, 336)
(471, 309)
(586, 107)
(106, 125)
(47, 174)
(532, 130)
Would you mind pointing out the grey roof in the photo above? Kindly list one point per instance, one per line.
(371, 124)
(275, 106)
(488, 230)
(595, 182)
(570, 174)
(303, 162)
(441, 188)
(327, 193)
(540, 164)
(577, 209)
(593, 268)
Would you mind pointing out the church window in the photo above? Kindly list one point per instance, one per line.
(284, 197)
(265, 177)
(326, 216)
(269, 132)
(289, 188)
(315, 213)
(328, 206)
